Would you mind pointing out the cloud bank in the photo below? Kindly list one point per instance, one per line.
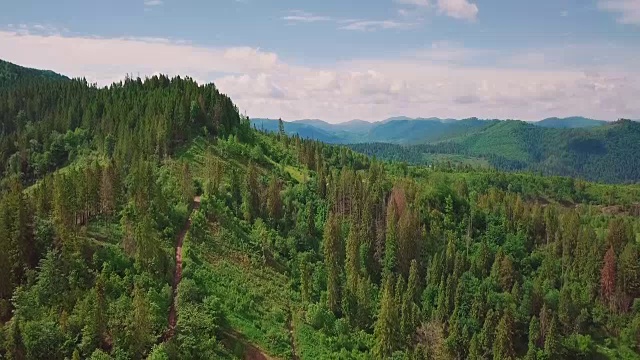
(629, 10)
(436, 81)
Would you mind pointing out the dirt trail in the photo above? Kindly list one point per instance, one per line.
(231, 338)
(294, 353)
(177, 275)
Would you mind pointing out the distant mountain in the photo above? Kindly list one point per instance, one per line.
(569, 123)
(608, 153)
(12, 74)
(397, 130)
(416, 131)
(356, 126)
(576, 146)
(302, 129)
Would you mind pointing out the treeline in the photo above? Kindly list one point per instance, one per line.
(46, 124)
(14, 75)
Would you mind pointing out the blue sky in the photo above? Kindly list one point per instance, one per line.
(339, 60)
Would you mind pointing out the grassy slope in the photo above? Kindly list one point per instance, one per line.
(254, 298)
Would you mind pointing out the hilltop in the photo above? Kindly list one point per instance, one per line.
(11, 74)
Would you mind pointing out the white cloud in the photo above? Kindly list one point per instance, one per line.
(564, 13)
(107, 59)
(153, 2)
(300, 16)
(438, 81)
(459, 9)
(303, 16)
(39, 29)
(629, 10)
(423, 3)
(371, 25)
(451, 52)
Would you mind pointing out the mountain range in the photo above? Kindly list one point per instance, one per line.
(575, 146)
(402, 129)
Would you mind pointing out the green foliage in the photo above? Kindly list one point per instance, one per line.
(13, 75)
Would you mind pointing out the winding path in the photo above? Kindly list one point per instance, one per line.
(177, 275)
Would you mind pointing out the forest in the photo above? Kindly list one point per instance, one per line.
(293, 248)
(578, 147)
(606, 153)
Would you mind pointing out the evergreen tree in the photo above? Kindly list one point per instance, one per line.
(630, 271)
(391, 242)
(15, 349)
(332, 262)
(274, 200)
(534, 339)
(142, 326)
(503, 346)
(552, 341)
(608, 277)
(386, 328)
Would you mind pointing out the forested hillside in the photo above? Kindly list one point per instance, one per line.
(298, 249)
(570, 122)
(607, 153)
(11, 74)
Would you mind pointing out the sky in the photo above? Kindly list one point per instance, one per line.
(339, 60)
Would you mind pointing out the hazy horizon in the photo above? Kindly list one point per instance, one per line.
(355, 60)
(425, 118)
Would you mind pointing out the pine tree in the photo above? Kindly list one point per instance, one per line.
(552, 341)
(274, 200)
(408, 234)
(386, 328)
(15, 349)
(108, 190)
(100, 310)
(141, 322)
(352, 270)
(608, 277)
(487, 334)
(617, 234)
(566, 309)
(305, 281)
(534, 338)
(474, 348)
(310, 230)
(506, 273)
(250, 194)
(630, 271)
(391, 243)
(363, 299)
(503, 346)
(332, 262)
(409, 313)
